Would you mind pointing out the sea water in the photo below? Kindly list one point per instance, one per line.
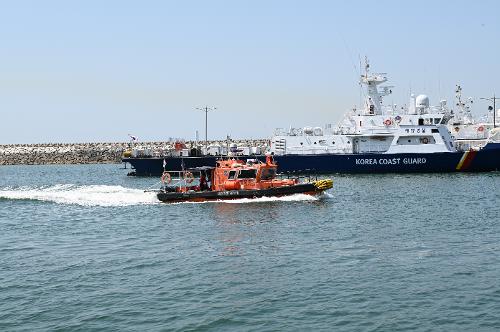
(85, 248)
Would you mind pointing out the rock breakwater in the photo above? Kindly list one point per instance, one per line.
(90, 153)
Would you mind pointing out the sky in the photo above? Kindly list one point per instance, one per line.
(96, 71)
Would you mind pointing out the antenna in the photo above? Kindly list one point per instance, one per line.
(359, 83)
(367, 66)
(493, 99)
(439, 83)
(206, 109)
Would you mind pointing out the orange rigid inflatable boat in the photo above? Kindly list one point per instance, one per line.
(233, 179)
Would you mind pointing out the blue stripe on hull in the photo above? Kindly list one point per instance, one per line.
(487, 159)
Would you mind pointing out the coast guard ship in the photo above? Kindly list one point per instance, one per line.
(372, 139)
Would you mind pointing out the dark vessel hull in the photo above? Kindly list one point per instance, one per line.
(487, 159)
(202, 196)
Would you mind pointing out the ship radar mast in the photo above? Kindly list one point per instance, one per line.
(373, 102)
(464, 107)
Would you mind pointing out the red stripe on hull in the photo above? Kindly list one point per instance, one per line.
(468, 160)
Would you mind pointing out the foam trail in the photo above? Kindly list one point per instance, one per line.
(326, 195)
(291, 198)
(90, 195)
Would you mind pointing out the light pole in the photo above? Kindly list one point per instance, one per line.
(493, 99)
(206, 109)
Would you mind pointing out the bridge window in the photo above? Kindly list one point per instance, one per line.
(247, 174)
(268, 173)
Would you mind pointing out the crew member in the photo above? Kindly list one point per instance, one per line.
(203, 182)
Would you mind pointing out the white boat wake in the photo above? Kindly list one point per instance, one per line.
(291, 198)
(87, 195)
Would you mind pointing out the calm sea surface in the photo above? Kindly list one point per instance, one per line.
(84, 248)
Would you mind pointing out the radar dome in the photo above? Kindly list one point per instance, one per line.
(308, 130)
(422, 101)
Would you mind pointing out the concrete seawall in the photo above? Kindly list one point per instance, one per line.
(88, 153)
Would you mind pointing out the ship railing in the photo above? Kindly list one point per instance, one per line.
(306, 175)
(471, 135)
(179, 179)
(378, 131)
(467, 145)
(346, 130)
(280, 132)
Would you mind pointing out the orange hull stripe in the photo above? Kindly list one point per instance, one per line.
(469, 160)
(466, 160)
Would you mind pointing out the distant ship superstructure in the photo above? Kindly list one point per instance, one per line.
(375, 128)
(468, 132)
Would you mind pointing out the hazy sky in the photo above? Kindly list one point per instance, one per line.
(78, 71)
